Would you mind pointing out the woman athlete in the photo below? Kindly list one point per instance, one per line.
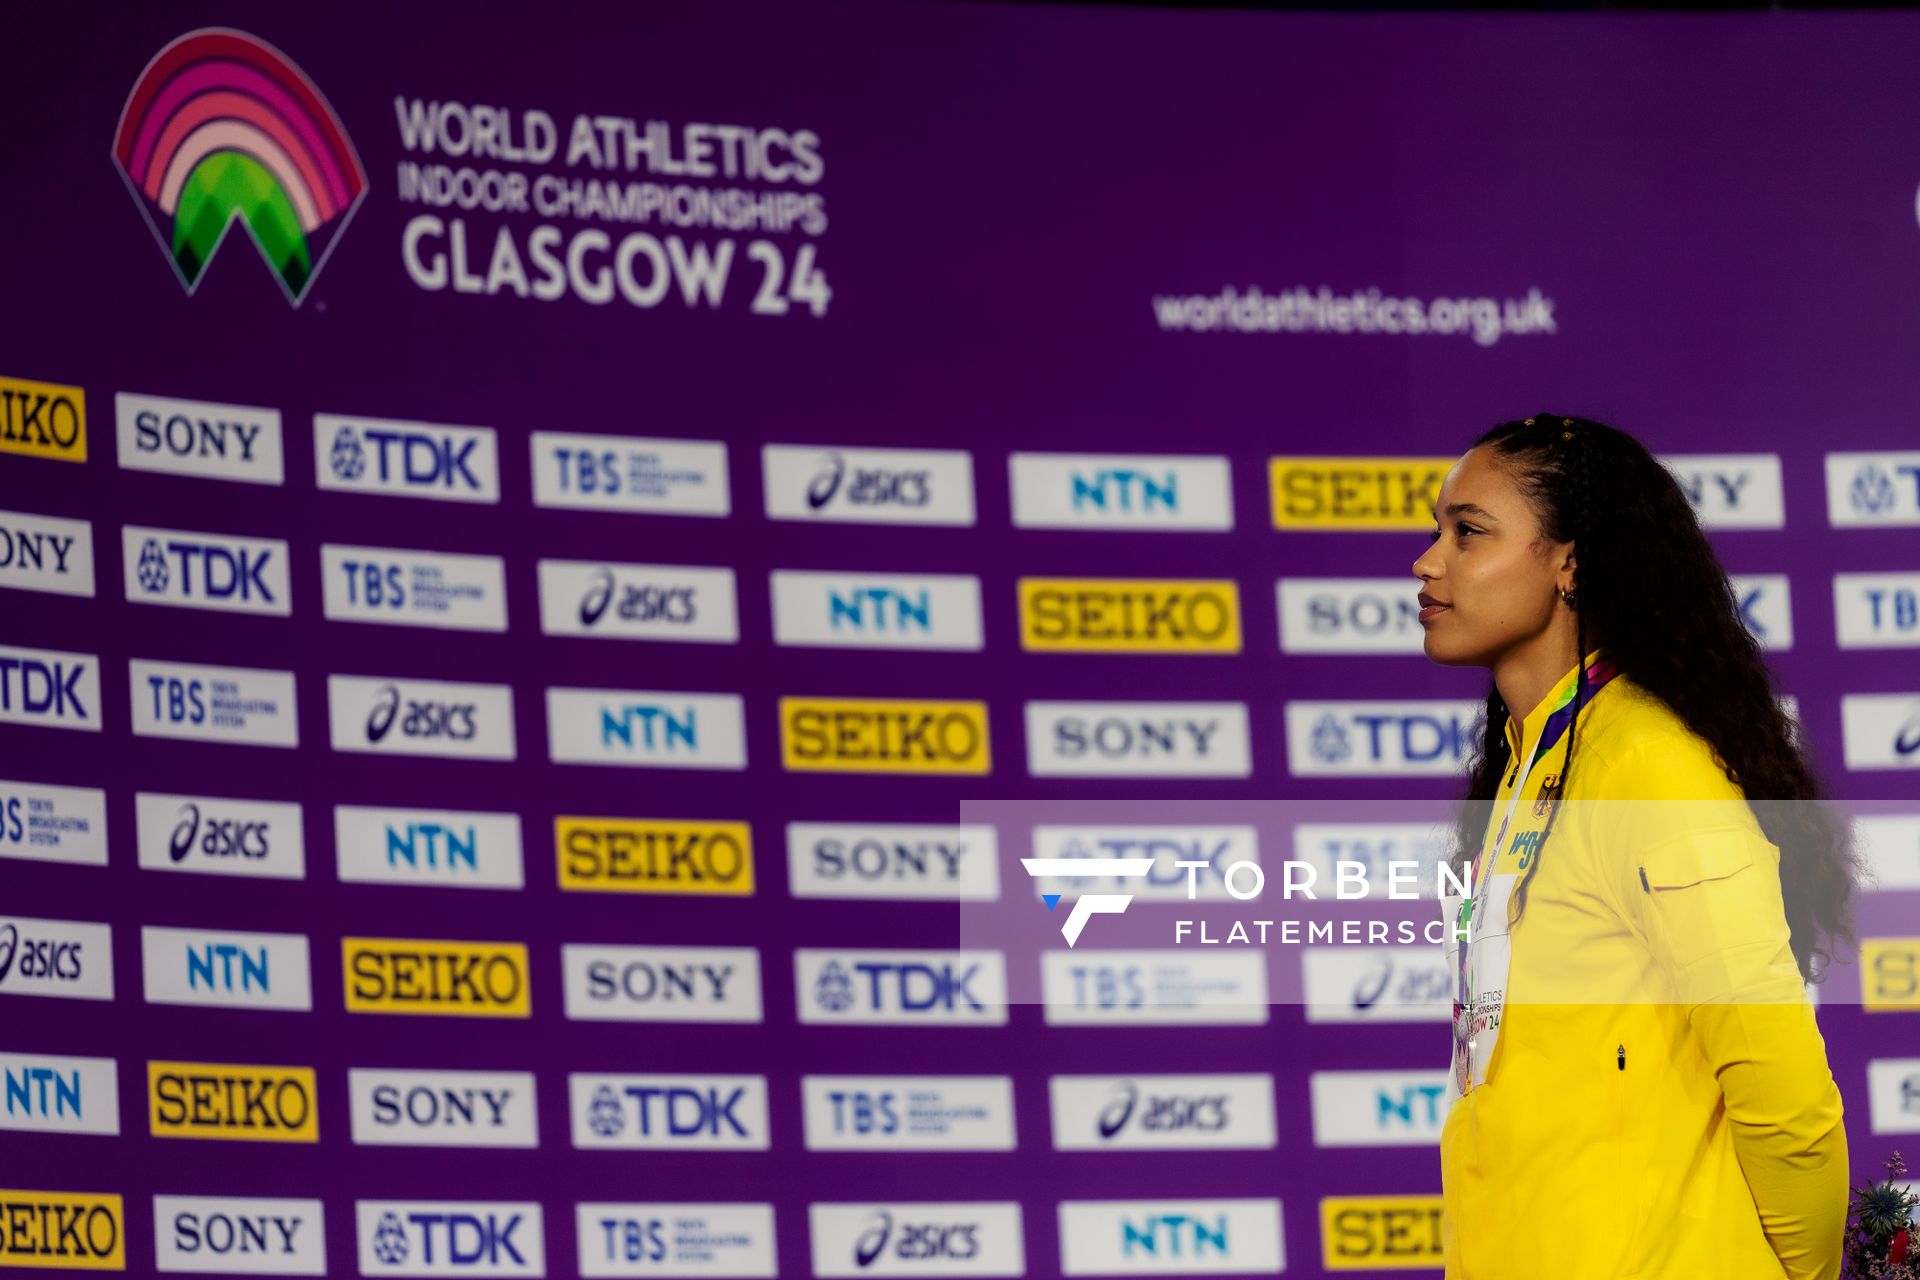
(1639, 1087)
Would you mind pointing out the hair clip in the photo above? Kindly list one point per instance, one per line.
(1527, 423)
(1566, 422)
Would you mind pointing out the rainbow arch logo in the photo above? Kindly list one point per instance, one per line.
(222, 128)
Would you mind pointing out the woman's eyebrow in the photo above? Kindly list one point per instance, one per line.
(1468, 509)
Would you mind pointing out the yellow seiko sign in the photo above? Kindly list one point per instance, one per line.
(428, 976)
(654, 855)
(871, 735)
(1130, 615)
(1355, 493)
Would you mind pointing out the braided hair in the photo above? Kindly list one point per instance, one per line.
(1648, 588)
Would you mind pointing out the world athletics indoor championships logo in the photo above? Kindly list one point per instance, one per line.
(222, 128)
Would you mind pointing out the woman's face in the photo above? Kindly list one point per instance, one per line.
(1489, 581)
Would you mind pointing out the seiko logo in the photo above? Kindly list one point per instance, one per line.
(62, 1229)
(43, 420)
(222, 1100)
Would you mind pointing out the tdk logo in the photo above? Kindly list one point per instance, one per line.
(920, 1238)
(1380, 739)
(901, 987)
(1877, 610)
(406, 459)
(669, 1111)
(44, 1093)
(49, 687)
(205, 570)
(1087, 905)
(421, 717)
(1873, 490)
(938, 611)
(1121, 491)
(233, 970)
(219, 836)
(193, 438)
(886, 486)
(46, 553)
(443, 1108)
(449, 1238)
(239, 1235)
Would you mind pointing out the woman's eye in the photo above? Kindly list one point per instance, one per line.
(1465, 529)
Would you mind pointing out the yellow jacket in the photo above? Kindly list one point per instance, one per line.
(1658, 1104)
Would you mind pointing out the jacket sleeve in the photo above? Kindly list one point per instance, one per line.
(1705, 893)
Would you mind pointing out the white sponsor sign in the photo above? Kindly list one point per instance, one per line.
(421, 717)
(1173, 986)
(868, 486)
(69, 959)
(413, 588)
(45, 1093)
(684, 1112)
(441, 848)
(226, 969)
(220, 836)
(450, 1238)
(1893, 1094)
(1731, 490)
(1138, 740)
(1766, 607)
(1881, 730)
(199, 438)
(1376, 984)
(646, 728)
(205, 570)
(908, 1113)
(44, 823)
(1171, 1237)
(916, 1238)
(638, 601)
(241, 705)
(678, 1239)
(442, 1108)
(1162, 1112)
(630, 474)
(1380, 739)
(1891, 843)
(1168, 845)
(1877, 610)
(1377, 853)
(235, 1235)
(1378, 1108)
(661, 984)
(405, 459)
(46, 553)
(1350, 615)
(938, 611)
(49, 687)
(1873, 490)
(1154, 491)
(918, 861)
(901, 988)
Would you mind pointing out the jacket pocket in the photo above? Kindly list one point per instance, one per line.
(1703, 895)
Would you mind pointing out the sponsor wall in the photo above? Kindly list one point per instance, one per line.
(530, 582)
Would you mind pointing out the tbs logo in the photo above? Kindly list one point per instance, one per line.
(452, 720)
(1087, 905)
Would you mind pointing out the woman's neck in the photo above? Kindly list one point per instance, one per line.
(1527, 673)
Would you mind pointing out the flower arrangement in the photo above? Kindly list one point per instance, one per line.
(1881, 1229)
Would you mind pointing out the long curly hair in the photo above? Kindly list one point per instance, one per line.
(1649, 590)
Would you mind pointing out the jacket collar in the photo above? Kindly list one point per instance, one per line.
(1530, 728)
